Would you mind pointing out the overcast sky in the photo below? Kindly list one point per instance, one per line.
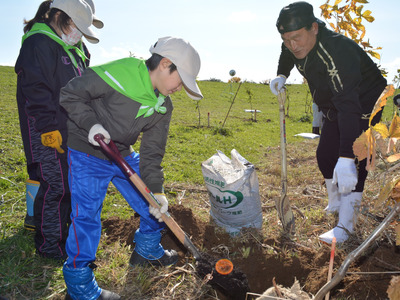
(232, 34)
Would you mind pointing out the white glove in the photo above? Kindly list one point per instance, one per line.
(162, 200)
(98, 128)
(345, 175)
(277, 84)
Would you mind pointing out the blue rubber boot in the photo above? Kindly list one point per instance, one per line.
(32, 187)
(149, 251)
(82, 285)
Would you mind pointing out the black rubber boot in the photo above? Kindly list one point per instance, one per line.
(315, 130)
(169, 258)
(105, 295)
(29, 223)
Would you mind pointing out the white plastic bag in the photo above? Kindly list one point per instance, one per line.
(234, 192)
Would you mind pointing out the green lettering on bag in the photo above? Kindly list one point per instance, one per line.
(231, 200)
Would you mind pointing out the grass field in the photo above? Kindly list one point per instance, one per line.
(196, 133)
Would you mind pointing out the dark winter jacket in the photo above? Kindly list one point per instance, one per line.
(344, 81)
(43, 68)
(89, 100)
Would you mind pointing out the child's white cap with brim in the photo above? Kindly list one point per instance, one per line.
(81, 13)
(185, 58)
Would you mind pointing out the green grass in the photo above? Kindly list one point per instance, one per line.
(193, 138)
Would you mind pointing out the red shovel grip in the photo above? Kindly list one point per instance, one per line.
(112, 152)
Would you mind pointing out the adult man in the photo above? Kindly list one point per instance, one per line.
(345, 84)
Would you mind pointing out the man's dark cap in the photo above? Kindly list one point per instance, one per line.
(295, 16)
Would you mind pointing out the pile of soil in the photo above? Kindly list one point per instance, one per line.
(262, 259)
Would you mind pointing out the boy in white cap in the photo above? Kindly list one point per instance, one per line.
(52, 53)
(121, 100)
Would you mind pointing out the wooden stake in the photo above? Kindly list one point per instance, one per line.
(277, 291)
(331, 264)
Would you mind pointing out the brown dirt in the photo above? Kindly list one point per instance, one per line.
(272, 254)
(272, 258)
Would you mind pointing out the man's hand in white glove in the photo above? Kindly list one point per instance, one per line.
(345, 175)
(98, 128)
(277, 84)
(162, 200)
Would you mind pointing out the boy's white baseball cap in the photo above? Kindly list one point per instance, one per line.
(186, 59)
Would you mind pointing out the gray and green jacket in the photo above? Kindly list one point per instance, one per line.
(120, 96)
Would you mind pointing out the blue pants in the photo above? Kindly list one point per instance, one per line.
(89, 178)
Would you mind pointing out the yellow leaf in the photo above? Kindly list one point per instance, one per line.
(366, 45)
(397, 228)
(393, 158)
(342, 9)
(324, 6)
(380, 143)
(396, 192)
(393, 290)
(362, 34)
(369, 18)
(374, 54)
(381, 129)
(337, 2)
(391, 145)
(333, 26)
(372, 138)
(359, 9)
(360, 145)
(386, 191)
(366, 13)
(347, 15)
(394, 130)
(357, 22)
(381, 102)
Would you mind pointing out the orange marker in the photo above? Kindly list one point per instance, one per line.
(224, 266)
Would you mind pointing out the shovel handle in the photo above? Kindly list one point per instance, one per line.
(113, 153)
(283, 206)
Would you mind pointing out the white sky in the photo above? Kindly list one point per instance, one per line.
(232, 34)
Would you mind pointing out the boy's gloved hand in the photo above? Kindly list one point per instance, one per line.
(98, 128)
(163, 209)
(345, 175)
(277, 84)
(52, 139)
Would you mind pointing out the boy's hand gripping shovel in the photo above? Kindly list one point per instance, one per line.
(113, 153)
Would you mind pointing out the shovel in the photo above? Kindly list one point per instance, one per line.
(113, 153)
(234, 282)
(283, 204)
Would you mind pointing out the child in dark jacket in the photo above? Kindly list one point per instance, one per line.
(51, 54)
